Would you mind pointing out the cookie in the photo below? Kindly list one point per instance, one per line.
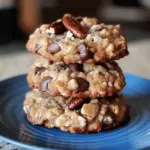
(76, 80)
(78, 40)
(95, 116)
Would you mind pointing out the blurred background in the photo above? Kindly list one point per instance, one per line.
(19, 18)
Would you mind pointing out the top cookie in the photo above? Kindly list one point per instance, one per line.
(78, 40)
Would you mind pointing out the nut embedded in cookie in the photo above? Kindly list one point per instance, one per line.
(78, 41)
(95, 116)
(74, 26)
(76, 80)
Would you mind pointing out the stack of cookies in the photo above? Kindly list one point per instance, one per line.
(76, 82)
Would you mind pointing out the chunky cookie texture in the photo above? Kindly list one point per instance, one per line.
(78, 40)
(95, 116)
(76, 80)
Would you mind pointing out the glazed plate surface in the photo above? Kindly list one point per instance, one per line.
(15, 129)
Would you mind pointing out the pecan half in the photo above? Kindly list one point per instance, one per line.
(75, 103)
(74, 26)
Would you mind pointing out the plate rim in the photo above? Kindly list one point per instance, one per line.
(34, 147)
(23, 145)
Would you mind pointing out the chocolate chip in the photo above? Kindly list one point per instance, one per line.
(39, 70)
(57, 27)
(110, 91)
(113, 100)
(103, 65)
(74, 26)
(75, 67)
(54, 48)
(85, 54)
(75, 103)
(79, 18)
(109, 119)
(83, 84)
(37, 47)
(44, 83)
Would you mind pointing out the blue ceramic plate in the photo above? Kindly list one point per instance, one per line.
(14, 128)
